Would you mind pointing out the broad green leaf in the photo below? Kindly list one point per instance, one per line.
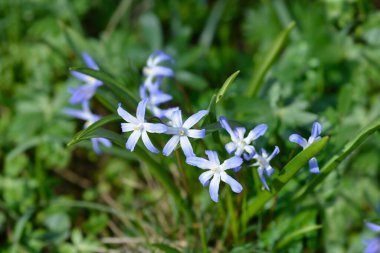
(271, 56)
(119, 90)
(333, 163)
(296, 234)
(290, 169)
(85, 133)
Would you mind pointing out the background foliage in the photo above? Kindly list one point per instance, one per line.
(55, 198)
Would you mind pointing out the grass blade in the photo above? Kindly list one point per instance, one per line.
(272, 55)
(300, 232)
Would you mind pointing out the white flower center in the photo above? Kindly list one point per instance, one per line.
(90, 79)
(216, 169)
(138, 127)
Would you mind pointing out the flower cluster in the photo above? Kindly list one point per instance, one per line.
(241, 146)
(82, 95)
(373, 245)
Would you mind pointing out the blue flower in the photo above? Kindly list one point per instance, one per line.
(315, 132)
(90, 119)
(86, 91)
(154, 100)
(373, 245)
(216, 171)
(182, 131)
(264, 168)
(240, 145)
(154, 72)
(139, 127)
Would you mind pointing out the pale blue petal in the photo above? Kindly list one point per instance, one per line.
(316, 130)
(148, 144)
(374, 227)
(141, 110)
(269, 171)
(132, 140)
(127, 127)
(82, 93)
(235, 185)
(298, 139)
(250, 152)
(155, 128)
(313, 164)
(205, 177)
(230, 147)
(126, 116)
(256, 133)
(80, 76)
(213, 156)
(197, 134)
(177, 118)
(232, 162)
(160, 56)
(89, 61)
(95, 146)
(262, 178)
(186, 146)
(214, 187)
(373, 246)
(107, 143)
(193, 119)
(240, 131)
(199, 162)
(237, 169)
(143, 92)
(248, 156)
(170, 146)
(224, 123)
(160, 98)
(77, 113)
(275, 152)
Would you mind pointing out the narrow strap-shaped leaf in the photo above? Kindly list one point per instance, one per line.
(271, 56)
(333, 163)
(296, 234)
(83, 135)
(290, 169)
(117, 88)
(225, 86)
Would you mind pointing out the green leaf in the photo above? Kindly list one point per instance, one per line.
(296, 234)
(333, 163)
(119, 89)
(225, 86)
(290, 169)
(20, 225)
(272, 55)
(165, 248)
(87, 133)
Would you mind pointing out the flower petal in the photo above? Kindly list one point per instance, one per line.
(170, 146)
(177, 118)
(197, 134)
(141, 110)
(95, 146)
(199, 162)
(262, 177)
(186, 146)
(107, 143)
(235, 185)
(160, 97)
(89, 61)
(155, 128)
(77, 113)
(214, 187)
(160, 56)
(274, 153)
(224, 124)
(127, 127)
(298, 139)
(148, 144)
(374, 227)
(132, 140)
(256, 133)
(126, 116)
(250, 152)
(230, 147)
(193, 119)
(205, 177)
(316, 130)
(158, 71)
(313, 164)
(213, 156)
(79, 76)
(240, 131)
(231, 163)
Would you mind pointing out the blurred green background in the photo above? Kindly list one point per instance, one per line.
(55, 198)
